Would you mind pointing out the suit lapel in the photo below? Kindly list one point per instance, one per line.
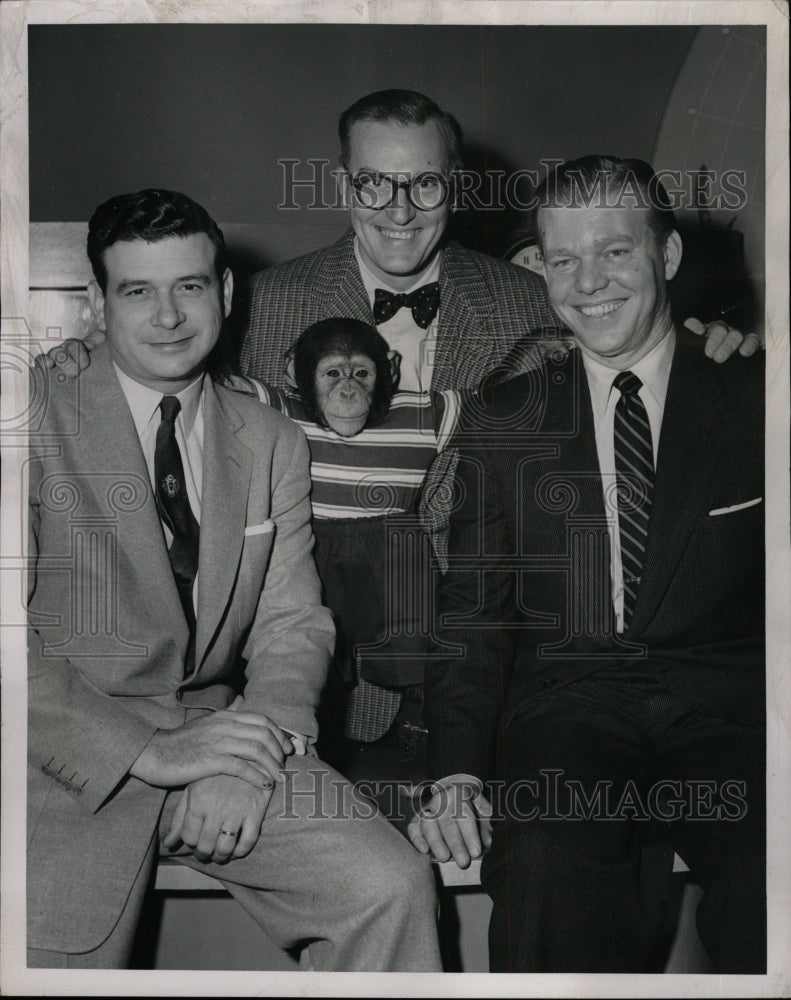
(684, 464)
(570, 503)
(108, 440)
(466, 303)
(465, 307)
(340, 286)
(227, 470)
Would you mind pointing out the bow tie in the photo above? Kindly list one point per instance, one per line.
(423, 302)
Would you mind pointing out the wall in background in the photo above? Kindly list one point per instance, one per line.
(210, 109)
(213, 110)
(714, 123)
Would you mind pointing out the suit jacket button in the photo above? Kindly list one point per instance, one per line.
(549, 682)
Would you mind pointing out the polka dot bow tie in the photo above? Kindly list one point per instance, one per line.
(423, 302)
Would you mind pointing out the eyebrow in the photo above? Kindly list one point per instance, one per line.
(127, 283)
(602, 241)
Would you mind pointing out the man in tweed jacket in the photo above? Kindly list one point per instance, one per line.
(390, 140)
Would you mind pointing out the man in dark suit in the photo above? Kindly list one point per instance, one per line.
(178, 643)
(601, 649)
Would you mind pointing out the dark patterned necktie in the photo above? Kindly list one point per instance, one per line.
(174, 509)
(423, 302)
(634, 469)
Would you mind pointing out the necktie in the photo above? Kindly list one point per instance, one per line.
(423, 302)
(175, 511)
(634, 473)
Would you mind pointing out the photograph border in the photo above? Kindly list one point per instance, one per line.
(15, 17)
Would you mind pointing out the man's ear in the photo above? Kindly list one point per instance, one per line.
(291, 378)
(453, 190)
(96, 300)
(227, 291)
(672, 253)
(395, 365)
(343, 181)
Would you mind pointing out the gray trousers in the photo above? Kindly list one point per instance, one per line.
(328, 874)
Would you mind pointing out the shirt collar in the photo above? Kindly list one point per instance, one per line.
(371, 282)
(144, 402)
(653, 371)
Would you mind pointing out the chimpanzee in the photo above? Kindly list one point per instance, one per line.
(345, 375)
(370, 448)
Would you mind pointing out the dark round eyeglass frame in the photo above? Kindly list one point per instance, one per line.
(397, 183)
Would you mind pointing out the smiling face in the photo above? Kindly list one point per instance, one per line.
(163, 308)
(398, 241)
(344, 385)
(606, 275)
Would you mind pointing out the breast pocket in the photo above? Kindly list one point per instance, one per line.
(728, 548)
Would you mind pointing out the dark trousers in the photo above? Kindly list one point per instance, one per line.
(586, 767)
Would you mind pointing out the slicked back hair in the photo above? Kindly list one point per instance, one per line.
(608, 181)
(405, 108)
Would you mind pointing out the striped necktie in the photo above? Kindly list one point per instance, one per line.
(634, 470)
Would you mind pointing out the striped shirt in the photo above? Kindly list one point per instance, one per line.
(381, 469)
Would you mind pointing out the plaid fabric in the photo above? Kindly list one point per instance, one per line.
(486, 306)
(371, 711)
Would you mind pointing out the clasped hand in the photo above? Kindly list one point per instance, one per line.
(455, 822)
(229, 762)
(239, 744)
(219, 818)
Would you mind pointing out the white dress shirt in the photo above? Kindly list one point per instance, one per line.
(653, 371)
(415, 345)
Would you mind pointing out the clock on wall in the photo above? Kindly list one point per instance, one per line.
(526, 253)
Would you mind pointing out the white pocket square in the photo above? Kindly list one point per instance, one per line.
(260, 529)
(736, 506)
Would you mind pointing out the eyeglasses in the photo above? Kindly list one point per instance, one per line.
(426, 191)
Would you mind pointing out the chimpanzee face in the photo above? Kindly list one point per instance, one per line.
(344, 390)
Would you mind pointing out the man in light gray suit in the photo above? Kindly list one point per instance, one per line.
(177, 639)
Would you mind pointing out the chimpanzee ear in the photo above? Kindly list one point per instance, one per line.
(291, 378)
(395, 365)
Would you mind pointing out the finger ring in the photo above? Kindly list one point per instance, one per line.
(229, 833)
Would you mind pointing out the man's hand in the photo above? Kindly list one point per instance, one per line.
(722, 340)
(237, 743)
(219, 818)
(72, 356)
(454, 823)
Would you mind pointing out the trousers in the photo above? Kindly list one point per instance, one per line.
(329, 875)
(587, 767)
